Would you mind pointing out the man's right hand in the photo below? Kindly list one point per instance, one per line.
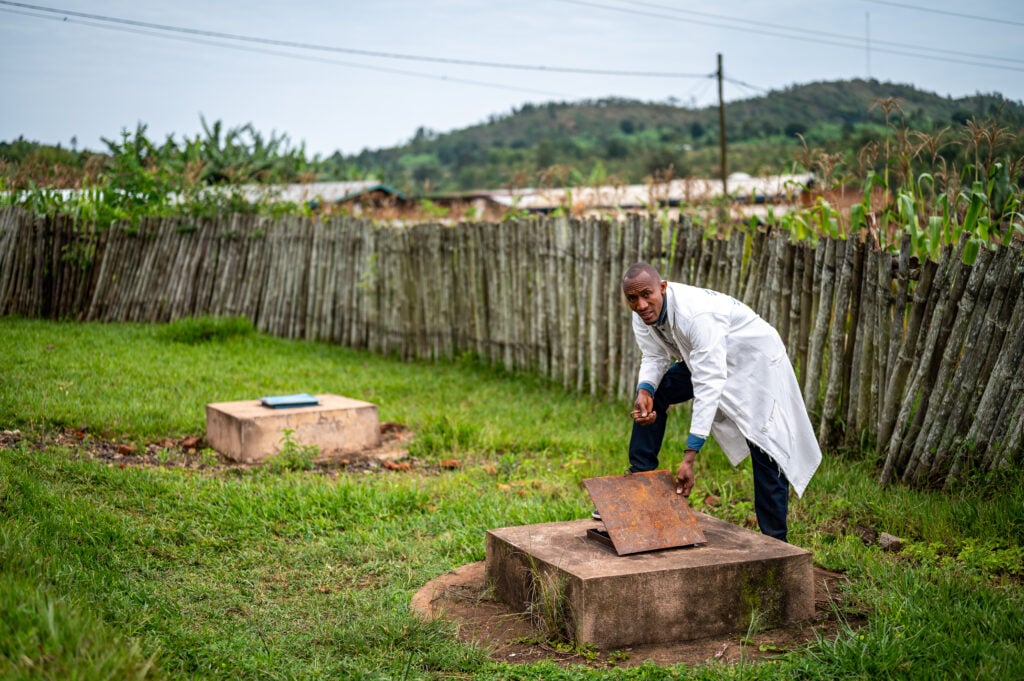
(643, 408)
(685, 476)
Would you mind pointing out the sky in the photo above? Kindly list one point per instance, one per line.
(345, 75)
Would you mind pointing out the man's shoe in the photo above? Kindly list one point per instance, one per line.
(595, 515)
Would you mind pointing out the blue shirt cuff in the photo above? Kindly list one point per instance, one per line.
(694, 442)
(646, 386)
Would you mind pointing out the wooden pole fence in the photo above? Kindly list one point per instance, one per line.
(919, 362)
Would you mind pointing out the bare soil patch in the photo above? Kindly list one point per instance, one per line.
(462, 597)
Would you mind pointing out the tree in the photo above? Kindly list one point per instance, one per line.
(616, 148)
(545, 154)
(793, 129)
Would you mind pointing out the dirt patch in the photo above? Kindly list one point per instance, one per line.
(193, 452)
(462, 597)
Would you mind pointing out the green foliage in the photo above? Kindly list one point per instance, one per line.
(921, 195)
(984, 559)
(433, 210)
(25, 164)
(292, 456)
(193, 330)
(243, 155)
(138, 177)
(631, 140)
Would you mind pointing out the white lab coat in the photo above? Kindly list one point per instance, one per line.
(743, 384)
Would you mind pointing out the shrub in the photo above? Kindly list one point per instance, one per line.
(193, 330)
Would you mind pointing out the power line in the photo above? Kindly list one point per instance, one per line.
(693, 95)
(960, 15)
(852, 43)
(348, 50)
(748, 86)
(855, 39)
(289, 55)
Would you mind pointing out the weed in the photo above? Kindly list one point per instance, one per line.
(507, 464)
(985, 558)
(293, 456)
(754, 627)
(549, 607)
(208, 458)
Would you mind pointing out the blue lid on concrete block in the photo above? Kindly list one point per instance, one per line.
(297, 400)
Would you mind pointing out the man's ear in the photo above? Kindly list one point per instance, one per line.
(664, 286)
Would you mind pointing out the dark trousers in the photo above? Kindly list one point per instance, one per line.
(771, 488)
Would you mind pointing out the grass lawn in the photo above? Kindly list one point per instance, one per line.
(208, 572)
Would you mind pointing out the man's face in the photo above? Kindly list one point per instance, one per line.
(645, 295)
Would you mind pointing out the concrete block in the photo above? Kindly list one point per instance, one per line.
(656, 597)
(248, 432)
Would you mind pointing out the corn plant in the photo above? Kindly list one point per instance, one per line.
(913, 188)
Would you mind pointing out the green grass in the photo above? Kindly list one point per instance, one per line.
(169, 572)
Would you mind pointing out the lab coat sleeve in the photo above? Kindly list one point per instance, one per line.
(708, 364)
(654, 361)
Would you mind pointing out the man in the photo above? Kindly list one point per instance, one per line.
(735, 369)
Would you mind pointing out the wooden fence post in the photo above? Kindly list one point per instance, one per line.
(923, 360)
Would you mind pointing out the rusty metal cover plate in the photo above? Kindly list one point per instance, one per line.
(642, 512)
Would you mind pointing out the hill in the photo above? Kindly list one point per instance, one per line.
(833, 128)
(629, 141)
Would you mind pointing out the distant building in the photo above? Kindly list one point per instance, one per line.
(745, 193)
(353, 197)
(748, 196)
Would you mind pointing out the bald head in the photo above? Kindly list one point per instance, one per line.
(638, 270)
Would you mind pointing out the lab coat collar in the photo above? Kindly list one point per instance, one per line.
(663, 317)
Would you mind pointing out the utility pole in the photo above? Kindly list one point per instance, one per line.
(721, 130)
(867, 41)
